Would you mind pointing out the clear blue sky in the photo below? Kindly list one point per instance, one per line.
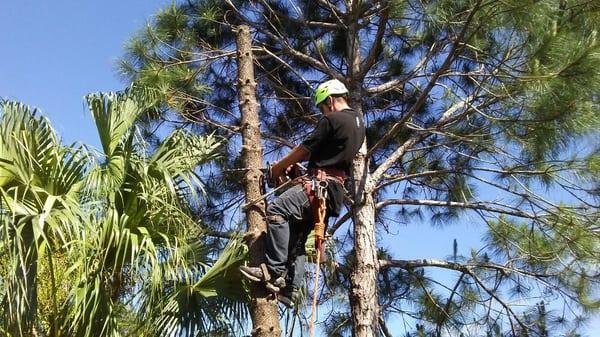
(52, 53)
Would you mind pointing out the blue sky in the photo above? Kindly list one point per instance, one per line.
(53, 53)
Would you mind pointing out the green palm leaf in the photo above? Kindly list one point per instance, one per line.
(39, 186)
(120, 220)
(116, 113)
(224, 278)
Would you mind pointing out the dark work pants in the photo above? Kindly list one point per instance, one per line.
(290, 220)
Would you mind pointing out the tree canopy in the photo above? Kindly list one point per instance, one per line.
(477, 111)
(480, 110)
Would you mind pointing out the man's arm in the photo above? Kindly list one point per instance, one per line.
(298, 154)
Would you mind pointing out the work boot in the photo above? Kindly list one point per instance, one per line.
(276, 285)
(260, 274)
(253, 273)
(289, 296)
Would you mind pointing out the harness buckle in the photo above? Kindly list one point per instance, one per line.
(321, 190)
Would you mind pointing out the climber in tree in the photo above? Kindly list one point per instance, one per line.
(329, 149)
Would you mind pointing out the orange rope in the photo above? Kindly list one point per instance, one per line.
(319, 239)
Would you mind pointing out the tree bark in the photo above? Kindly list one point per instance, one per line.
(363, 295)
(263, 306)
(363, 291)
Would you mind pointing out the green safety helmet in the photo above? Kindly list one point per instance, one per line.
(326, 89)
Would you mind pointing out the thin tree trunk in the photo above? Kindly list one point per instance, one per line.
(263, 307)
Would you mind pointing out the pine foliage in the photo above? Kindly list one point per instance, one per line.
(479, 111)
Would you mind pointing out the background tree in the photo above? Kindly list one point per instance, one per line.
(104, 239)
(476, 109)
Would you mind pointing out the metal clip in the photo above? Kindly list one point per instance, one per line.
(321, 190)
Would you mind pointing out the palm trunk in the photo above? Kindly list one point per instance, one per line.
(263, 306)
(21, 301)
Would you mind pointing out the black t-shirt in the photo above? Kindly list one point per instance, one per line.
(334, 143)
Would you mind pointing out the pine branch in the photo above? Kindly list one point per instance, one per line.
(449, 301)
(382, 88)
(484, 206)
(456, 47)
(384, 329)
(336, 12)
(493, 294)
(529, 196)
(286, 47)
(339, 223)
(400, 178)
(285, 18)
(389, 180)
(465, 269)
(414, 139)
(311, 37)
(378, 41)
(287, 65)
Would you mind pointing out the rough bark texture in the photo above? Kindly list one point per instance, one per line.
(363, 291)
(363, 295)
(263, 308)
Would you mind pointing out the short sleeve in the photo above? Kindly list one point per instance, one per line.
(319, 135)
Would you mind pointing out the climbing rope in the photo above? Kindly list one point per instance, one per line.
(319, 240)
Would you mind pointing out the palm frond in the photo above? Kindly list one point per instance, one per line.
(224, 278)
(116, 113)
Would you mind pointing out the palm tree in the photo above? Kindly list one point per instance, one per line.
(111, 229)
(39, 182)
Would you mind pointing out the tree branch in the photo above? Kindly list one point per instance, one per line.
(411, 176)
(336, 12)
(339, 223)
(465, 269)
(456, 46)
(378, 89)
(286, 47)
(477, 205)
(416, 137)
(378, 42)
(384, 329)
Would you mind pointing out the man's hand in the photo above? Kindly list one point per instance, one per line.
(285, 165)
(279, 173)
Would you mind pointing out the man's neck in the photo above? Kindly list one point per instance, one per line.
(340, 106)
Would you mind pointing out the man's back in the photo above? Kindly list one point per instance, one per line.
(336, 140)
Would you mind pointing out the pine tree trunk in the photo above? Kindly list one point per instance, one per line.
(363, 290)
(363, 293)
(263, 307)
